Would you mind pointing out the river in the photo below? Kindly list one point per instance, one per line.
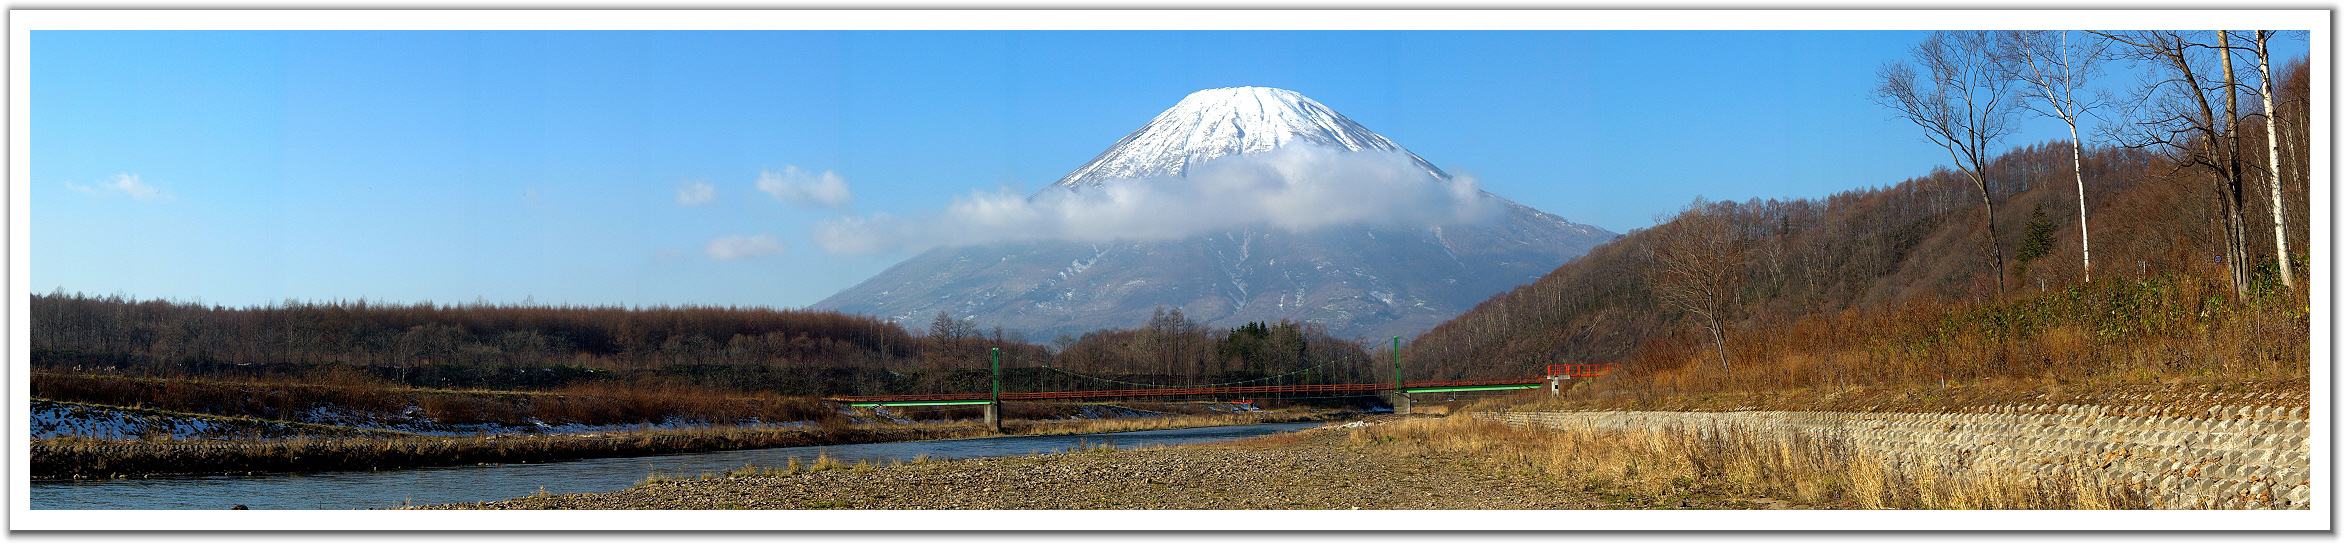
(357, 490)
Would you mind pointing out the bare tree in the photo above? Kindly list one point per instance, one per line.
(2175, 113)
(1174, 343)
(2054, 70)
(952, 340)
(1697, 262)
(946, 327)
(2262, 56)
(1963, 104)
(2237, 179)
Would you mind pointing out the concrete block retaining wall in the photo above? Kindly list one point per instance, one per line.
(2223, 457)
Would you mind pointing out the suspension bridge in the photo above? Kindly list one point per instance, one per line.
(1409, 388)
(1396, 390)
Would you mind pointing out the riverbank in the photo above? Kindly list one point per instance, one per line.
(78, 458)
(2082, 458)
(1471, 461)
(1345, 466)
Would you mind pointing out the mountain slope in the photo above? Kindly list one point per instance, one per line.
(1358, 281)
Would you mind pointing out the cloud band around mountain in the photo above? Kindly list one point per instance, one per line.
(1294, 188)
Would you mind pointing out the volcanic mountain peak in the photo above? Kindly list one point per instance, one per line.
(1214, 123)
(1359, 280)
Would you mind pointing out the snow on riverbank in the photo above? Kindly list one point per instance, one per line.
(56, 419)
(53, 419)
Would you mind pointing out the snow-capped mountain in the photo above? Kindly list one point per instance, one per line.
(1215, 123)
(1363, 281)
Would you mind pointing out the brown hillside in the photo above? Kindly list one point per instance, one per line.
(1892, 285)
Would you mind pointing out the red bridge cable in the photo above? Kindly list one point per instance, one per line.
(1183, 391)
(1108, 380)
(1573, 370)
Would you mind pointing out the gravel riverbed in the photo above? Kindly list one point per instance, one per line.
(1316, 469)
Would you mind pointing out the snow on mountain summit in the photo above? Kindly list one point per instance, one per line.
(1214, 123)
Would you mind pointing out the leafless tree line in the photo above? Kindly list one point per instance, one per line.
(1871, 250)
(1968, 86)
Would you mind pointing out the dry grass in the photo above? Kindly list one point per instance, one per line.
(81, 458)
(78, 458)
(2164, 329)
(1117, 425)
(1652, 467)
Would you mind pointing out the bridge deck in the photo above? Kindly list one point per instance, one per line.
(1187, 391)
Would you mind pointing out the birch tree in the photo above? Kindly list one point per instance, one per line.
(1963, 104)
(2053, 70)
(2174, 112)
(2262, 55)
(1697, 263)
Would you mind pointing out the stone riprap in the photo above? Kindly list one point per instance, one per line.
(2232, 456)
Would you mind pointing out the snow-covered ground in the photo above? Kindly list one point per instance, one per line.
(412, 421)
(51, 419)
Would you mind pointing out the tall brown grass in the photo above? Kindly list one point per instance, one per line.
(1117, 425)
(1659, 467)
(81, 458)
(2166, 327)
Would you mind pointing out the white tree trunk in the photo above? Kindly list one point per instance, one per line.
(2057, 74)
(2262, 39)
(2083, 219)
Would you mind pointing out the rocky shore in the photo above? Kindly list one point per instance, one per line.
(1318, 469)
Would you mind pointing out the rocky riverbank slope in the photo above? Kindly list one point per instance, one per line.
(2252, 456)
(1319, 469)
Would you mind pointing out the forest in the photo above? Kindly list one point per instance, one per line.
(720, 349)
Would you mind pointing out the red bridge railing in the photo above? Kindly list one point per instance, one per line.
(1588, 370)
(1186, 391)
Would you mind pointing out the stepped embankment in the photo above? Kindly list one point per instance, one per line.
(2252, 456)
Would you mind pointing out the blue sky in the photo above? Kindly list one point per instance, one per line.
(243, 167)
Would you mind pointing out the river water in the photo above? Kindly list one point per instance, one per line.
(354, 490)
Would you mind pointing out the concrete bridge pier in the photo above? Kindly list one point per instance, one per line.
(993, 416)
(1400, 401)
(993, 409)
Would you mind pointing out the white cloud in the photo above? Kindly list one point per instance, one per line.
(695, 193)
(744, 247)
(126, 185)
(802, 188)
(1296, 188)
